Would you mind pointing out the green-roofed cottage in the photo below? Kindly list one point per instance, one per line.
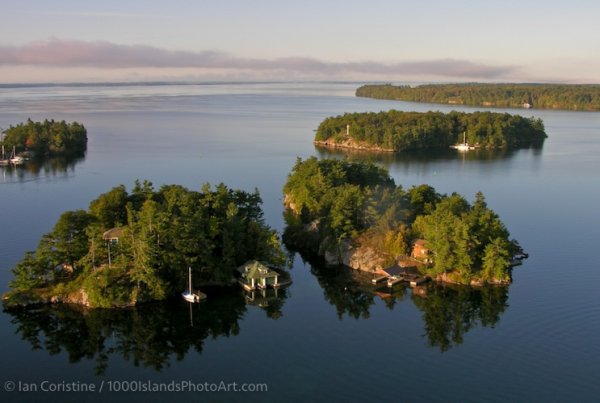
(254, 274)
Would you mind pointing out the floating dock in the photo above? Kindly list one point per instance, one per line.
(379, 279)
(417, 281)
(392, 281)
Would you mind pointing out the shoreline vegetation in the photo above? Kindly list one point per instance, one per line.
(575, 97)
(397, 131)
(45, 139)
(353, 214)
(131, 248)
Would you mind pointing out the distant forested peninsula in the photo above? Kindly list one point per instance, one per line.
(129, 248)
(395, 131)
(46, 138)
(577, 97)
(354, 214)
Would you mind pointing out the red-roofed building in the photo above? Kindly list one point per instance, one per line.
(420, 250)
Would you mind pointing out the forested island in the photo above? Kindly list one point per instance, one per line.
(47, 138)
(395, 131)
(129, 248)
(354, 214)
(575, 97)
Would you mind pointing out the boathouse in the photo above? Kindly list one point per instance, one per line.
(254, 274)
(395, 271)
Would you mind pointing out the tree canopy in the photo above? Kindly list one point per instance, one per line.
(399, 131)
(47, 138)
(159, 235)
(542, 96)
(360, 203)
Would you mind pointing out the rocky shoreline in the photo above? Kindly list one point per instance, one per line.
(14, 300)
(353, 145)
(366, 258)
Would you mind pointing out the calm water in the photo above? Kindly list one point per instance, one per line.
(329, 336)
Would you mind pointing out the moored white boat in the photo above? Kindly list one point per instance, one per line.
(16, 159)
(189, 295)
(464, 146)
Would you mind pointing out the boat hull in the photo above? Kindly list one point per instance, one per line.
(192, 297)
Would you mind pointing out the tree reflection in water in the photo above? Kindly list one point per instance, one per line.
(344, 289)
(271, 300)
(150, 335)
(449, 312)
(50, 168)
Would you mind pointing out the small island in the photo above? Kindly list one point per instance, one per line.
(130, 248)
(353, 214)
(574, 97)
(397, 131)
(43, 139)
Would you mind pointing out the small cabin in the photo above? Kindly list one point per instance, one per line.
(420, 250)
(254, 274)
(113, 235)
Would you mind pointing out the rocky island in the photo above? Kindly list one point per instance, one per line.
(129, 248)
(353, 214)
(397, 131)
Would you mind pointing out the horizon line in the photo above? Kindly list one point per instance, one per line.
(221, 82)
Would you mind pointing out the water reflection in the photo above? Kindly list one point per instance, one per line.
(426, 156)
(271, 300)
(448, 312)
(45, 168)
(150, 335)
(346, 290)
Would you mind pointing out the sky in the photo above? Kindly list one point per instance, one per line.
(352, 40)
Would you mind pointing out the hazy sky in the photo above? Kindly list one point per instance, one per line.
(389, 40)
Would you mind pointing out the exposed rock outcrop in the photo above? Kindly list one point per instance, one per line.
(448, 278)
(357, 257)
(352, 144)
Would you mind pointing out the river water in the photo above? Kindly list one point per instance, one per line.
(329, 336)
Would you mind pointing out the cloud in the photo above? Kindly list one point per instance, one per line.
(107, 55)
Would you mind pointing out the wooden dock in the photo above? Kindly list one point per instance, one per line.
(392, 281)
(379, 279)
(411, 279)
(417, 281)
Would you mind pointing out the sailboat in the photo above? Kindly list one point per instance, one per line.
(188, 295)
(464, 146)
(16, 159)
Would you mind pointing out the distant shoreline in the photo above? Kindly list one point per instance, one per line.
(572, 97)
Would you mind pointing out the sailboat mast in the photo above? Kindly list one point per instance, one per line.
(190, 279)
